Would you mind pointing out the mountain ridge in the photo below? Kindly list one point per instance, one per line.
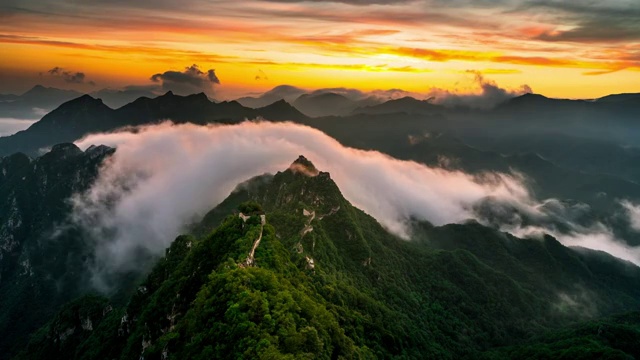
(344, 286)
(532, 112)
(85, 114)
(34, 101)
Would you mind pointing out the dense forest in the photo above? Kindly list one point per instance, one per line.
(327, 281)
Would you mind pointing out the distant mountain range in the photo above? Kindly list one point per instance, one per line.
(118, 98)
(84, 115)
(329, 279)
(287, 93)
(39, 100)
(521, 135)
(612, 117)
(407, 105)
(331, 104)
(320, 103)
(629, 98)
(34, 103)
(314, 104)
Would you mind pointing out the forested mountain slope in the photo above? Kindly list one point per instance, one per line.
(318, 278)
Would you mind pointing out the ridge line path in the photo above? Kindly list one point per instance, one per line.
(250, 259)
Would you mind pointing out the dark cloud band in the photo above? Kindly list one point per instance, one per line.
(190, 80)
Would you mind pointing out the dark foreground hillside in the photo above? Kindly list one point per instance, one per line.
(42, 262)
(318, 278)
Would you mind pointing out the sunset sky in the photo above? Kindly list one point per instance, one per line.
(572, 49)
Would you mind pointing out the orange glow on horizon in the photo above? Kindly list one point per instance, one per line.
(386, 47)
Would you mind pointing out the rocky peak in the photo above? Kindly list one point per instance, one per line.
(84, 105)
(86, 100)
(94, 151)
(280, 109)
(65, 150)
(199, 97)
(36, 90)
(304, 166)
(15, 161)
(170, 99)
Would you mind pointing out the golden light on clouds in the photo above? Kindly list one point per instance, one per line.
(413, 45)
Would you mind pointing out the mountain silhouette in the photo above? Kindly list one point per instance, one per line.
(84, 115)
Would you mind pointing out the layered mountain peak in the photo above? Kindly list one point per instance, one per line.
(85, 99)
(529, 100)
(299, 189)
(303, 185)
(42, 91)
(280, 109)
(36, 89)
(200, 99)
(81, 106)
(624, 98)
(64, 150)
(304, 166)
(98, 151)
(201, 96)
(75, 111)
(84, 115)
(279, 103)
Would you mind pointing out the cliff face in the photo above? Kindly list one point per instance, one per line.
(41, 260)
